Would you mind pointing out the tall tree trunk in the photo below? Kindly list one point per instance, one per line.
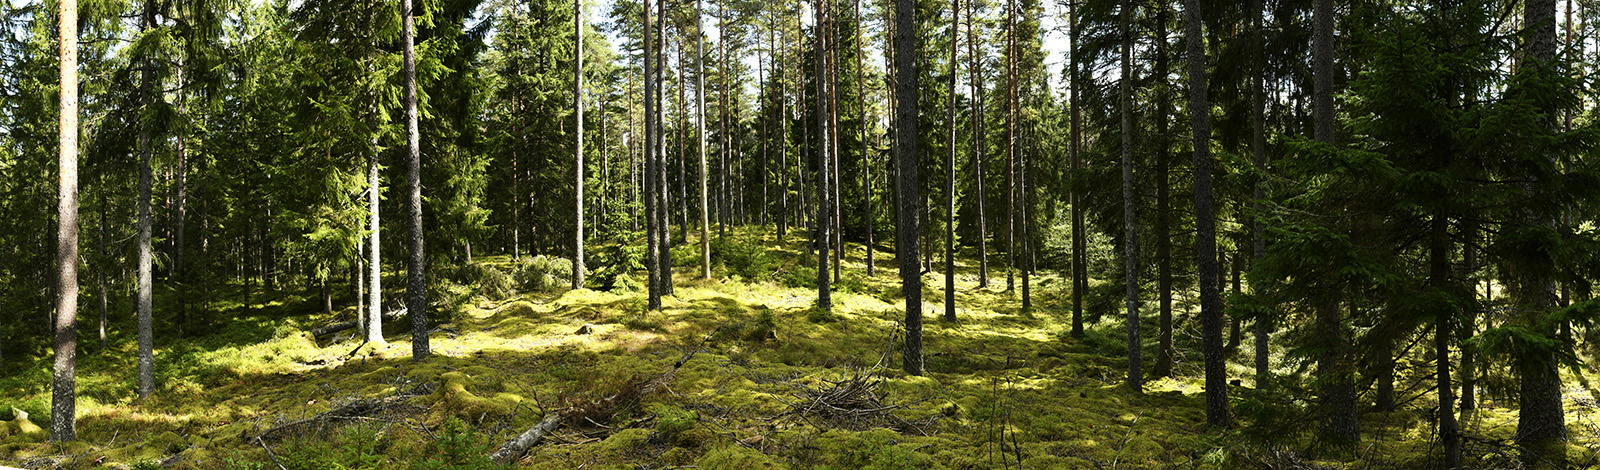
(1338, 402)
(577, 106)
(722, 121)
(1011, 145)
(950, 178)
(1541, 424)
(416, 284)
(1205, 224)
(906, 143)
(833, 138)
(824, 211)
(104, 265)
(663, 190)
(764, 117)
(683, 129)
(1130, 240)
(1439, 280)
(866, 150)
(1258, 151)
(975, 80)
(783, 143)
(63, 378)
(373, 326)
(181, 179)
(700, 136)
(147, 376)
(1163, 229)
(1079, 273)
(652, 224)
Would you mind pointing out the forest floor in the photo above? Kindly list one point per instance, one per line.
(775, 384)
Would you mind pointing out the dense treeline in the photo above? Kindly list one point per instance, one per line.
(1376, 195)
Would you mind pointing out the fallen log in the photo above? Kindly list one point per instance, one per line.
(341, 326)
(593, 411)
(514, 449)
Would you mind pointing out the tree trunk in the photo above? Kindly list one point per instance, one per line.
(950, 178)
(700, 136)
(906, 144)
(1258, 149)
(1163, 229)
(824, 211)
(1079, 271)
(181, 179)
(664, 204)
(416, 285)
(683, 128)
(1205, 224)
(866, 150)
(975, 79)
(1541, 424)
(652, 227)
(1130, 240)
(63, 379)
(1439, 279)
(100, 271)
(147, 382)
(577, 106)
(1338, 402)
(1011, 145)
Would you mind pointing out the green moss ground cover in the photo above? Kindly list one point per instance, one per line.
(1006, 387)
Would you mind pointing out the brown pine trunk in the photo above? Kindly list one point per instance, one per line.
(63, 378)
(416, 272)
(1130, 240)
(1205, 224)
(906, 144)
(950, 178)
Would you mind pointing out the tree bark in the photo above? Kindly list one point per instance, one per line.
(144, 260)
(866, 150)
(577, 106)
(63, 378)
(416, 286)
(1338, 400)
(1011, 145)
(824, 210)
(906, 145)
(950, 178)
(1258, 149)
(700, 136)
(1079, 271)
(652, 226)
(1130, 240)
(1205, 224)
(1163, 229)
(975, 80)
(1541, 424)
(663, 190)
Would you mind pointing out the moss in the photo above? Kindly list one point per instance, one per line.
(737, 458)
(455, 398)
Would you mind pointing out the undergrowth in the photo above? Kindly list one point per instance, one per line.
(1004, 387)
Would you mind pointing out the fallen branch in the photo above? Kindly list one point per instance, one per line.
(514, 449)
(594, 411)
(353, 410)
(341, 326)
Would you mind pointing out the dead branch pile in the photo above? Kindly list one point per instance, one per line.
(341, 326)
(354, 409)
(852, 403)
(594, 412)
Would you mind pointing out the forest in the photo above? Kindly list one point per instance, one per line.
(747, 234)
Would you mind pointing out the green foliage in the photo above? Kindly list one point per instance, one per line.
(672, 422)
(457, 448)
(742, 256)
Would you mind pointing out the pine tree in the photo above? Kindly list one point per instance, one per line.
(907, 141)
(416, 272)
(1130, 232)
(577, 106)
(63, 379)
(1205, 224)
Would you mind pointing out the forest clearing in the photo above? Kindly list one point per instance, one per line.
(1265, 234)
(1005, 387)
